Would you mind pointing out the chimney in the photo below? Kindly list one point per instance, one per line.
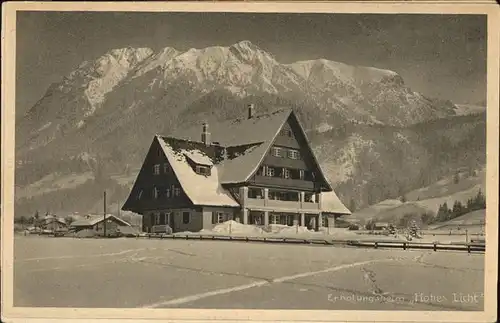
(250, 111)
(205, 135)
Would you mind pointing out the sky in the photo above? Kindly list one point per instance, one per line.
(442, 56)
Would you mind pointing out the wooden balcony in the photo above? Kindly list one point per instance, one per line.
(286, 206)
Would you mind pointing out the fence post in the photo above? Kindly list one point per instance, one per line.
(376, 245)
(435, 247)
(468, 248)
(404, 245)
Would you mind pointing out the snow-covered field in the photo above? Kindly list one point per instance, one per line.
(150, 273)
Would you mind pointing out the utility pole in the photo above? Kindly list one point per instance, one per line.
(104, 213)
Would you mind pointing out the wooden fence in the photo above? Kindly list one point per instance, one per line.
(379, 244)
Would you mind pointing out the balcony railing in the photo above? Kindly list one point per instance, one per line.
(275, 204)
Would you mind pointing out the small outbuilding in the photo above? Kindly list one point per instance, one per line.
(97, 223)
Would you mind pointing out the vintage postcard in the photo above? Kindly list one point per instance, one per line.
(239, 161)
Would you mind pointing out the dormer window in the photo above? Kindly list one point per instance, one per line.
(276, 152)
(156, 169)
(166, 168)
(202, 170)
(286, 173)
(177, 191)
(167, 193)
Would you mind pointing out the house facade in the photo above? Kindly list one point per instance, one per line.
(258, 169)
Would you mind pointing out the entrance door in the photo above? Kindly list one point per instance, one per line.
(171, 222)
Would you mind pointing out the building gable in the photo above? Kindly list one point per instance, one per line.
(156, 185)
(290, 161)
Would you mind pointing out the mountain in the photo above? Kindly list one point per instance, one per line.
(97, 123)
(465, 109)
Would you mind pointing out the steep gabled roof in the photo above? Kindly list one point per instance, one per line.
(330, 203)
(240, 132)
(200, 189)
(254, 135)
(240, 168)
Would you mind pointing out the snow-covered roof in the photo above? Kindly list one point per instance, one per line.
(240, 132)
(51, 218)
(201, 189)
(330, 203)
(199, 157)
(94, 219)
(253, 135)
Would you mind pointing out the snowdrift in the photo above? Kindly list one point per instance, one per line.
(236, 227)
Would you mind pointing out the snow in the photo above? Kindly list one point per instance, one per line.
(45, 126)
(236, 227)
(372, 74)
(466, 109)
(80, 124)
(330, 202)
(201, 189)
(157, 60)
(330, 71)
(112, 68)
(401, 137)
(198, 157)
(324, 127)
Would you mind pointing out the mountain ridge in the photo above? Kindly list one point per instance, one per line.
(357, 117)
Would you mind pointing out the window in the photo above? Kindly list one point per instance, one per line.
(155, 192)
(286, 132)
(186, 217)
(270, 171)
(177, 191)
(220, 217)
(255, 193)
(166, 168)
(157, 219)
(276, 152)
(301, 173)
(202, 170)
(156, 169)
(139, 195)
(167, 193)
(286, 173)
(293, 154)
